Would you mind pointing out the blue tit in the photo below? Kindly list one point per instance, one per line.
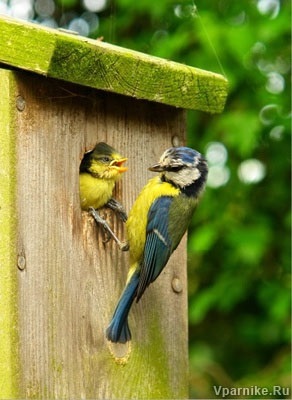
(99, 171)
(157, 222)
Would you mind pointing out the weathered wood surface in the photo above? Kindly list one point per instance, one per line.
(69, 281)
(104, 66)
(9, 356)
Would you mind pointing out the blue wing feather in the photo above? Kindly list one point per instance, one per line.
(118, 329)
(157, 248)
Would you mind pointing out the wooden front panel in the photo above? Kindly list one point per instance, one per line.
(71, 280)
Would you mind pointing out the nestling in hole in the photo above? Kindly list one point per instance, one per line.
(99, 171)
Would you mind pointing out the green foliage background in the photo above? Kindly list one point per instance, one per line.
(239, 240)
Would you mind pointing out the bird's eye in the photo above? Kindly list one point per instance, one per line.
(105, 159)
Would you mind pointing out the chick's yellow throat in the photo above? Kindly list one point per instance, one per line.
(95, 192)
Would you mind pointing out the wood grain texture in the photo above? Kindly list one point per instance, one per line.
(72, 280)
(104, 66)
(9, 355)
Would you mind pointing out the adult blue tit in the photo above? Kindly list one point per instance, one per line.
(156, 224)
(99, 171)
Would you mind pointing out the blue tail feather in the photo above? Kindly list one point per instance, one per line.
(118, 330)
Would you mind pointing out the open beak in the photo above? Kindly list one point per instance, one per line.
(118, 164)
(156, 168)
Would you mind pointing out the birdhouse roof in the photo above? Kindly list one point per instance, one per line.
(67, 56)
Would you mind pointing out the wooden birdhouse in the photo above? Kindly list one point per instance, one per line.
(59, 280)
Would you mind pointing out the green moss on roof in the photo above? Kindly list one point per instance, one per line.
(100, 65)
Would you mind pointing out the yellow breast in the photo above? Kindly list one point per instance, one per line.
(137, 221)
(94, 192)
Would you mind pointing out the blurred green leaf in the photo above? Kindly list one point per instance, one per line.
(203, 239)
(249, 243)
(67, 3)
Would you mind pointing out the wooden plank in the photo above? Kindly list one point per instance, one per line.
(104, 66)
(9, 361)
(72, 280)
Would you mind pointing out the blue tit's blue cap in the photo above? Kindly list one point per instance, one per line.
(185, 154)
(176, 157)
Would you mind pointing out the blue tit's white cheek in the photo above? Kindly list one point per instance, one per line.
(183, 177)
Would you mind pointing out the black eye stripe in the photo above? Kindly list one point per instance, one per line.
(175, 168)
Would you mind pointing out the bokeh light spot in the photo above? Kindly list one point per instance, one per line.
(22, 9)
(275, 83)
(251, 171)
(79, 25)
(268, 114)
(185, 11)
(216, 153)
(95, 5)
(44, 8)
(92, 20)
(277, 132)
(218, 176)
(270, 8)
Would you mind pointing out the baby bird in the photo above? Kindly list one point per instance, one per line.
(99, 171)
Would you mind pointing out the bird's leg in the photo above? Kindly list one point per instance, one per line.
(107, 229)
(118, 208)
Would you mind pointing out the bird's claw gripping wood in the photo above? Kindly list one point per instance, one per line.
(118, 208)
(108, 231)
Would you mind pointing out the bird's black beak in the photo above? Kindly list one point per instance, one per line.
(156, 168)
